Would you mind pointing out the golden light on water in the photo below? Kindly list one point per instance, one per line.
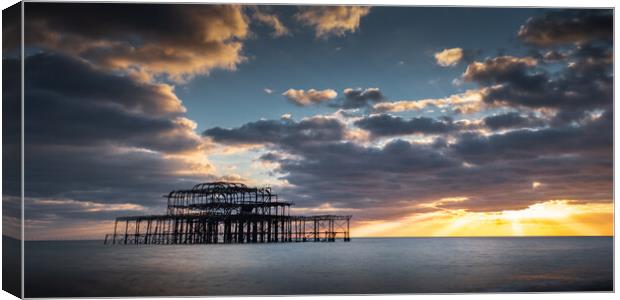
(555, 217)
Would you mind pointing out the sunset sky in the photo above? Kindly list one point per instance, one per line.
(416, 121)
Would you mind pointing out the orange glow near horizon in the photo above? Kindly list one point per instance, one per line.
(550, 218)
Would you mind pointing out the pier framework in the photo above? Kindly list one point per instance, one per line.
(221, 212)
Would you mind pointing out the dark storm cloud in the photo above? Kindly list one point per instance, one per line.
(316, 129)
(177, 40)
(387, 125)
(511, 120)
(568, 26)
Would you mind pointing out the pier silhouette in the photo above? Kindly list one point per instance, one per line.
(225, 212)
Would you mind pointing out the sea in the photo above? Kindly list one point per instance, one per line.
(362, 266)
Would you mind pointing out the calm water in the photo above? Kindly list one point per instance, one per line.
(405, 265)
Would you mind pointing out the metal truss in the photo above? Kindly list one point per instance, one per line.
(223, 212)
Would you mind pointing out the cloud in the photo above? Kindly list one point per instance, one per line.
(499, 69)
(327, 168)
(568, 27)
(387, 125)
(286, 117)
(332, 20)
(583, 84)
(320, 164)
(271, 20)
(467, 102)
(304, 98)
(178, 41)
(88, 105)
(353, 98)
(360, 98)
(346, 173)
(87, 206)
(591, 139)
(550, 127)
(553, 55)
(280, 132)
(402, 174)
(104, 143)
(580, 86)
(449, 57)
(511, 120)
(83, 81)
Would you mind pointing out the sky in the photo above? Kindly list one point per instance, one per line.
(417, 121)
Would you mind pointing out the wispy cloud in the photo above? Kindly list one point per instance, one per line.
(271, 20)
(332, 20)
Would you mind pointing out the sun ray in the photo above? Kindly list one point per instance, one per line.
(554, 217)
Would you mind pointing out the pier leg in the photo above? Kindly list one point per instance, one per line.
(126, 228)
(114, 236)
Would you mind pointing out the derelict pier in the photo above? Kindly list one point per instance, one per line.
(222, 212)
